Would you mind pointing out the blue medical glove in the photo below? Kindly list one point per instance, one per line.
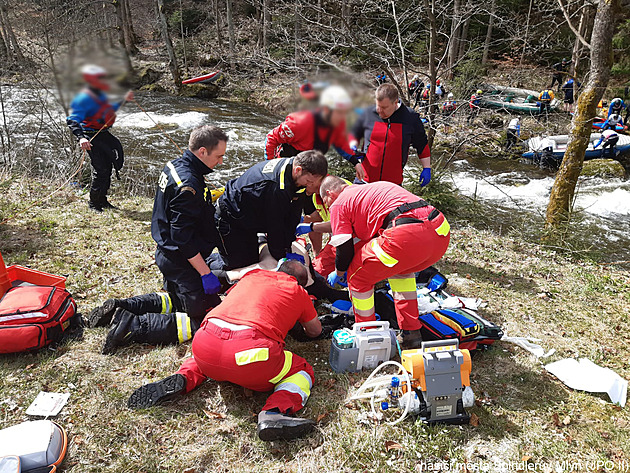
(296, 257)
(425, 177)
(334, 278)
(303, 229)
(211, 284)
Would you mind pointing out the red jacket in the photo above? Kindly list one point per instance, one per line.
(305, 130)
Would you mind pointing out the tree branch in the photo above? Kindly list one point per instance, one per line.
(575, 31)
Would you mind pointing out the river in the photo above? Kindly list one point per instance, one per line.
(35, 123)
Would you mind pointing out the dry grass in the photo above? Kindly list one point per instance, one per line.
(521, 409)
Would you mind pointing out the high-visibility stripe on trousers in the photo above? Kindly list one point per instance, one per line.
(252, 360)
(396, 255)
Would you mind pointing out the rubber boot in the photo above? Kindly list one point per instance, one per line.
(102, 316)
(274, 425)
(410, 339)
(157, 393)
(127, 328)
(95, 201)
(105, 204)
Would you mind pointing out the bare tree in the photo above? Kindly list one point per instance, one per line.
(563, 190)
(13, 47)
(172, 64)
(486, 44)
(231, 40)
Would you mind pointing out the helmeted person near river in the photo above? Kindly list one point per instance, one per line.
(90, 119)
(242, 341)
(388, 129)
(315, 129)
(400, 234)
(184, 229)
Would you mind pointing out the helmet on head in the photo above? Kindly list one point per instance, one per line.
(335, 98)
(428, 86)
(437, 82)
(564, 60)
(94, 75)
(415, 77)
(479, 92)
(615, 117)
(450, 95)
(616, 101)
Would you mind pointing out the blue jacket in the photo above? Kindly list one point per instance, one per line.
(183, 214)
(265, 199)
(617, 110)
(84, 106)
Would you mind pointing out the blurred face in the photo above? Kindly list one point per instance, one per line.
(385, 108)
(307, 180)
(337, 117)
(212, 158)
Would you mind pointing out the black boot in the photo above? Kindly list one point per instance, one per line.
(106, 205)
(274, 425)
(322, 290)
(127, 327)
(102, 316)
(410, 339)
(156, 393)
(95, 201)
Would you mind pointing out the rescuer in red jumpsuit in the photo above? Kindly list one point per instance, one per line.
(400, 233)
(242, 341)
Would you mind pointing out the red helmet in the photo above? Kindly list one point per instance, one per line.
(94, 76)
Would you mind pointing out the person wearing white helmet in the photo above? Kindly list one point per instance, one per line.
(315, 129)
(613, 122)
(448, 110)
(90, 119)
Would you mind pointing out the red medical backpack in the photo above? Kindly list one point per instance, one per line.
(33, 317)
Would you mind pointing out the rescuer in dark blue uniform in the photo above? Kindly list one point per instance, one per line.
(267, 198)
(183, 227)
(90, 120)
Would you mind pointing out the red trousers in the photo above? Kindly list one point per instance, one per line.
(396, 254)
(324, 262)
(252, 360)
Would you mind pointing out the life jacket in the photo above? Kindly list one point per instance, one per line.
(449, 106)
(288, 151)
(474, 100)
(546, 96)
(425, 94)
(104, 117)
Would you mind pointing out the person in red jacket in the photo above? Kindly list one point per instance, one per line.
(388, 130)
(242, 341)
(400, 233)
(315, 129)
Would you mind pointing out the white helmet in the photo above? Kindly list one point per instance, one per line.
(450, 95)
(93, 70)
(335, 98)
(615, 118)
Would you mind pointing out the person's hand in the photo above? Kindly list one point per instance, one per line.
(85, 144)
(129, 96)
(425, 177)
(211, 284)
(303, 229)
(334, 278)
(360, 172)
(296, 257)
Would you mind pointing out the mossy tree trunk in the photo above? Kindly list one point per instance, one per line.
(563, 190)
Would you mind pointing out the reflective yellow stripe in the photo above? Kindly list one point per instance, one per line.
(363, 304)
(184, 332)
(251, 356)
(284, 168)
(383, 257)
(403, 285)
(167, 304)
(302, 380)
(176, 178)
(444, 228)
(288, 361)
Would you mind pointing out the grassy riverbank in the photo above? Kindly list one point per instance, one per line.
(578, 307)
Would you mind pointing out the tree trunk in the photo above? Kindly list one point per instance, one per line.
(129, 23)
(122, 40)
(463, 39)
(486, 44)
(217, 23)
(400, 45)
(4, 51)
(231, 41)
(563, 189)
(296, 33)
(453, 47)
(16, 51)
(429, 7)
(125, 36)
(266, 24)
(172, 64)
(529, 16)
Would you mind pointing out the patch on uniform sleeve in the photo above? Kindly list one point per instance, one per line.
(286, 131)
(190, 189)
